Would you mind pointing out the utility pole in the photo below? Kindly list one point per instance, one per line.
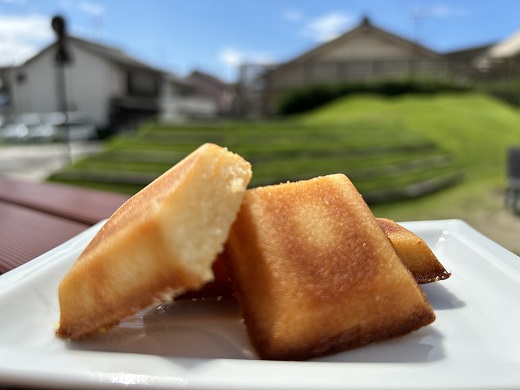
(417, 15)
(61, 59)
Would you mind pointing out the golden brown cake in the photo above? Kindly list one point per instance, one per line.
(414, 252)
(315, 274)
(161, 242)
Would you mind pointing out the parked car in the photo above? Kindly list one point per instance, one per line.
(14, 130)
(37, 132)
(74, 126)
(47, 127)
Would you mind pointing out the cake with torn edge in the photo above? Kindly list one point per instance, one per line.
(159, 243)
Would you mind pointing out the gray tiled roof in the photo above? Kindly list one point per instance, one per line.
(112, 53)
(109, 52)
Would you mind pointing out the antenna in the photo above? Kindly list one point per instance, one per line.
(98, 25)
(417, 14)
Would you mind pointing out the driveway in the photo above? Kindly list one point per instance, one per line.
(37, 162)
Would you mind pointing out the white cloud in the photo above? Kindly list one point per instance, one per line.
(322, 28)
(22, 36)
(230, 56)
(329, 26)
(234, 57)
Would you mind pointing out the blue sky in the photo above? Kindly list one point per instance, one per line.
(217, 35)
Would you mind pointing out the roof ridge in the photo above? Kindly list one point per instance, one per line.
(365, 23)
(95, 44)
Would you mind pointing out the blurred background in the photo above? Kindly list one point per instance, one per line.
(416, 101)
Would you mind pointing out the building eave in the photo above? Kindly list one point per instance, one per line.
(363, 27)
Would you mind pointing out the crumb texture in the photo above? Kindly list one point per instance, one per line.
(161, 242)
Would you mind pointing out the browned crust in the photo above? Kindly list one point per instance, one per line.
(305, 299)
(353, 338)
(78, 328)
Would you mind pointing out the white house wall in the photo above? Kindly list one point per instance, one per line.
(35, 87)
(90, 83)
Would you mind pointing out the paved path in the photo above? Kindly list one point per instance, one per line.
(37, 162)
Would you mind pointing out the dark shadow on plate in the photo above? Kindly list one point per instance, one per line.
(213, 328)
(441, 298)
(205, 329)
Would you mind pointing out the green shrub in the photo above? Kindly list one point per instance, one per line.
(307, 98)
(506, 90)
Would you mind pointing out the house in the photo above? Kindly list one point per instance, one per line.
(207, 97)
(467, 56)
(501, 60)
(215, 89)
(110, 87)
(363, 53)
(6, 75)
(179, 104)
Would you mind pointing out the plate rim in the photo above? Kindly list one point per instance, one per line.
(179, 367)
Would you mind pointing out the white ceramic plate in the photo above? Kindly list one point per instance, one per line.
(474, 342)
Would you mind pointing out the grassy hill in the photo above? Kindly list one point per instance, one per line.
(372, 139)
(384, 161)
(475, 127)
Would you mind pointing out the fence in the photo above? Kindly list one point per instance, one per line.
(259, 87)
(513, 179)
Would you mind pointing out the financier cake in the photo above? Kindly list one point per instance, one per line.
(159, 243)
(414, 253)
(314, 273)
